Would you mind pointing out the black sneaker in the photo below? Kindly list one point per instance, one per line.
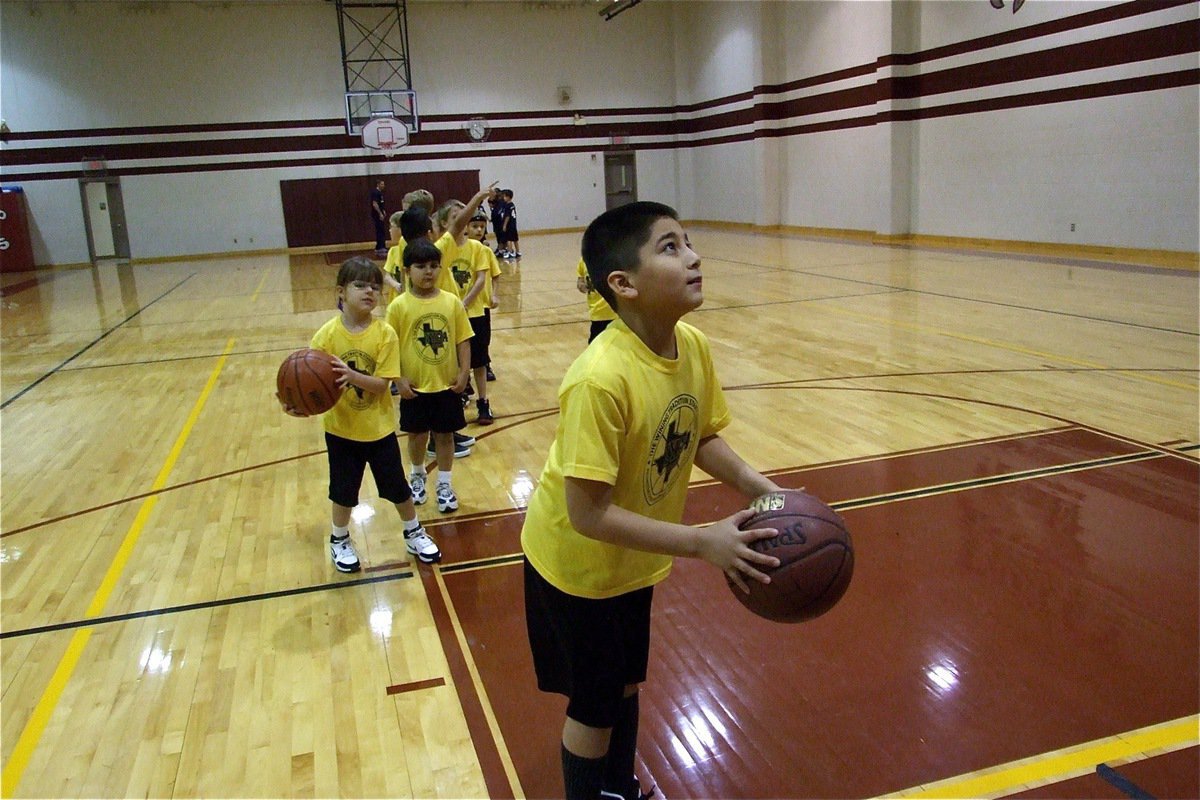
(491, 376)
(460, 450)
(485, 413)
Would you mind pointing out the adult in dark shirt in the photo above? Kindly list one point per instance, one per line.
(379, 217)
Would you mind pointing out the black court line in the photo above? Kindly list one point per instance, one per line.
(92, 343)
(229, 601)
(1126, 786)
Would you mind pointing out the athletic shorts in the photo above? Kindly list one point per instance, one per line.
(482, 326)
(588, 650)
(348, 460)
(439, 412)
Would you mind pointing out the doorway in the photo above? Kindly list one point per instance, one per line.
(620, 179)
(104, 218)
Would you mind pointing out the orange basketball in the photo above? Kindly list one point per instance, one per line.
(816, 557)
(306, 382)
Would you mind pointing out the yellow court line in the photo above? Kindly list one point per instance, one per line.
(261, 281)
(32, 733)
(1064, 764)
(1015, 348)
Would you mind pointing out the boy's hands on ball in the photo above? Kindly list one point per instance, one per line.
(725, 545)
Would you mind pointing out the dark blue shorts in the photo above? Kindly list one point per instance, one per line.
(440, 412)
(348, 460)
(588, 650)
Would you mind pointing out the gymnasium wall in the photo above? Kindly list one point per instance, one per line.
(941, 118)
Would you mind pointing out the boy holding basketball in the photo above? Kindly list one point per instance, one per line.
(360, 429)
(435, 353)
(637, 408)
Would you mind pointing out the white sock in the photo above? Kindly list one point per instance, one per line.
(412, 525)
(418, 471)
(340, 533)
(444, 477)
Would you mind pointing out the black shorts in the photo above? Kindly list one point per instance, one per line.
(588, 650)
(347, 461)
(440, 412)
(482, 326)
(511, 235)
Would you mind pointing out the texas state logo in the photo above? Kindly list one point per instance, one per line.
(431, 338)
(359, 361)
(676, 435)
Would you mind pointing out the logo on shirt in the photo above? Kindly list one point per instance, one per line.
(461, 271)
(363, 364)
(670, 446)
(431, 337)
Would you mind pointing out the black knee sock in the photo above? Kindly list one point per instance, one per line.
(622, 749)
(582, 777)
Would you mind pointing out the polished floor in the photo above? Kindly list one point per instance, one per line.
(1012, 441)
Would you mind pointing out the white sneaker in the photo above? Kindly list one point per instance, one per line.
(417, 484)
(344, 556)
(421, 546)
(447, 500)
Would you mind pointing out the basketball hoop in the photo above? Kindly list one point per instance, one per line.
(385, 134)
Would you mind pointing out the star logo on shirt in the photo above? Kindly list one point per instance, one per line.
(672, 447)
(431, 336)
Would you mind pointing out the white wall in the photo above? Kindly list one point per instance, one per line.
(1122, 168)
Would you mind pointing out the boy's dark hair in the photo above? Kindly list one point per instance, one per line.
(420, 251)
(507, 193)
(611, 242)
(360, 268)
(415, 223)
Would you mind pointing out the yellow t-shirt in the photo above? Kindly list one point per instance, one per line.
(598, 307)
(394, 265)
(482, 260)
(360, 415)
(429, 331)
(456, 265)
(631, 419)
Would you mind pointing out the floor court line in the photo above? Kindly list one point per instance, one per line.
(31, 734)
(1060, 765)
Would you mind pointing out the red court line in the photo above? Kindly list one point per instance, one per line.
(412, 686)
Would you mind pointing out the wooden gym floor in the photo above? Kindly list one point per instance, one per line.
(1012, 440)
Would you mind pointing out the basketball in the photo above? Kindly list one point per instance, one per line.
(816, 558)
(307, 383)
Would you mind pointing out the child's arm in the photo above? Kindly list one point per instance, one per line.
(592, 513)
(395, 285)
(459, 226)
(582, 285)
(464, 366)
(717, 458)
(405, 387)
(476, 288)
(348, 376)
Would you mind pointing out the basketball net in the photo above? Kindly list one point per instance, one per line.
(385, 135)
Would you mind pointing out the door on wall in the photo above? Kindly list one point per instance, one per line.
(104, 218)
(620, 179)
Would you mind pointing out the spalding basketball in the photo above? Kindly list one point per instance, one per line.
(816, 558)
(307, 383)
